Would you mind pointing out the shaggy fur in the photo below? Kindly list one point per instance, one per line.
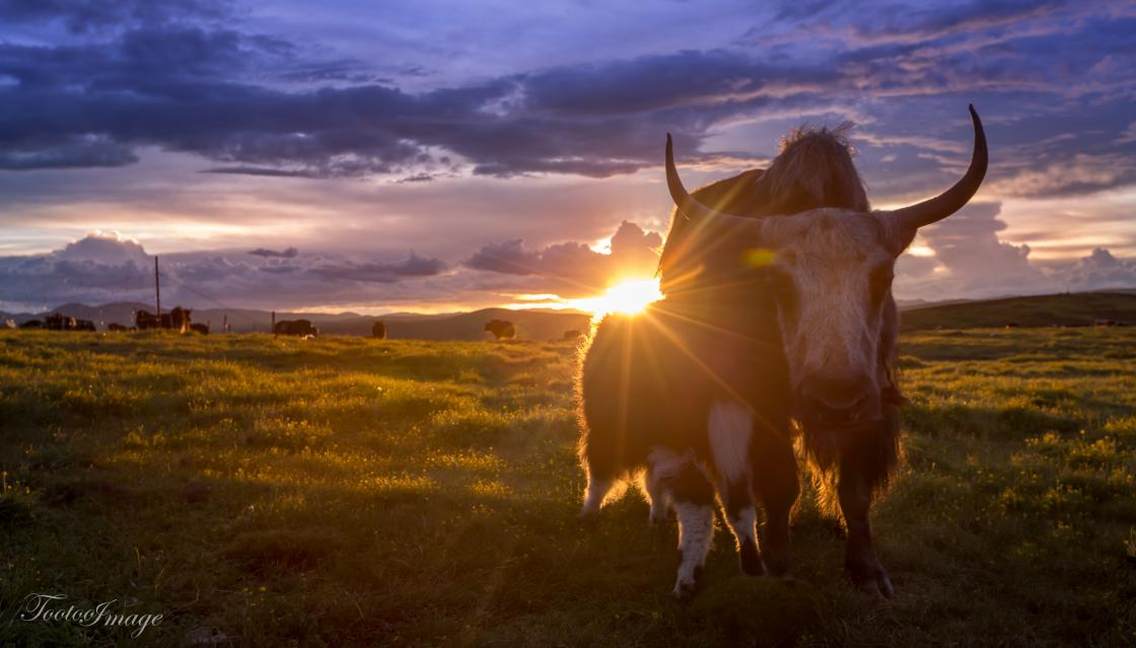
(652, 381)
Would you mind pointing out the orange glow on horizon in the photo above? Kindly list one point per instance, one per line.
(629, 297)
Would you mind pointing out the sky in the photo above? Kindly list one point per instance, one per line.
(436, 156)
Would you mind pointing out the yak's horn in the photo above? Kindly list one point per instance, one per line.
(687, 204)
(951, 200)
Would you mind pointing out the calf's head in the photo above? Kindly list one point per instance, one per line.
(830, 274)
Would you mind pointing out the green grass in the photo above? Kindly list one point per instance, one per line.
(1067, 309)
(347, 491)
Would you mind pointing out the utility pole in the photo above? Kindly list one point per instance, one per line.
(157, 290)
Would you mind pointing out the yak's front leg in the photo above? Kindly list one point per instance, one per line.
(730, 429)
(776, 483)
(855, 493)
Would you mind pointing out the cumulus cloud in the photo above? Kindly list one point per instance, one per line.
(573, 267)
(1100, 270)
(102, 268)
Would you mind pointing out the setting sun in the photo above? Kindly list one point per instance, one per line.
(629, 297)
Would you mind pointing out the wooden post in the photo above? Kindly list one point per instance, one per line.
(274, 322)
(225, 323)
(157, 293)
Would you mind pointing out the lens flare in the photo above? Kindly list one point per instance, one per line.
(628, 297)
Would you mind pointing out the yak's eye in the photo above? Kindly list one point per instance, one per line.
(879, 280)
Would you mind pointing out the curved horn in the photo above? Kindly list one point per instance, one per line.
(951, 200)
(687, 204)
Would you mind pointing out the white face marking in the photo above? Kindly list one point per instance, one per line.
(730, 426)
(833, 272)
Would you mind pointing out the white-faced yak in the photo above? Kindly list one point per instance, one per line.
(778, 322)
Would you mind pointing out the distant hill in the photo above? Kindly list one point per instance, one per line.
(1071, 309)
(531, 324)
(1075, 309)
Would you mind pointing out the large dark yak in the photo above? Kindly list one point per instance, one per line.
(178, 318)
(778, 320)
(501, 329)
(301, 327)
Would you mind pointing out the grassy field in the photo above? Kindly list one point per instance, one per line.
(346, 491)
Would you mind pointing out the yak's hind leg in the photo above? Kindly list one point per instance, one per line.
(730, 429)
(597, 490)
(694, 507)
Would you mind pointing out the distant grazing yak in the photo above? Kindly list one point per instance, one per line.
(177, 319)
(116, 327)
(501, 329)
(199, 328)
(299, 327)
(32, 324)
(58, 322)
(379, 330)
(778, 321)
(571, 334)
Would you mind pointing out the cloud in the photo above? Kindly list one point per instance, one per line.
(413, 266)
(102, 268)
(573, 268)
(282, 254)
(1100, 270)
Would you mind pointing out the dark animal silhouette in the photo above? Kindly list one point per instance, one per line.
(379, 330)
(501, 329)
(116, 327)
(199, 328)
(777, 310)
(299, 327)
(84, 325)
(177, 319)
(571, 334)
(32, 324)
(59, 322)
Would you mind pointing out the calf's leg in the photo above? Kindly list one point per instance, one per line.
(730, 428)
(694, 507)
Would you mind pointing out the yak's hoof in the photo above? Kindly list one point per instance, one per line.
(750, 559)
(686, 588)
(873, 581)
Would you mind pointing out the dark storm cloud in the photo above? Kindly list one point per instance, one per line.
(174, 79)
(85, 15)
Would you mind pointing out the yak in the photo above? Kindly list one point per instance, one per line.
(300, 327)
(199, 328)
(32, 324)
(777, 322)
(379, 330)
(178, 318)
(59, 322)
(501, 329)
(116, 327)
